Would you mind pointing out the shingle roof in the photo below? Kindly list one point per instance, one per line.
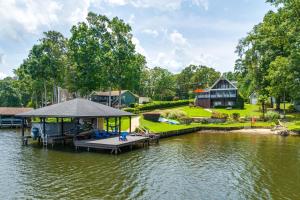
(8, 111)
(113, 93)
(76, 108)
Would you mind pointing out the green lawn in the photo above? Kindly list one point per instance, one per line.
(249, 110)
(158, 127)
(293, 121)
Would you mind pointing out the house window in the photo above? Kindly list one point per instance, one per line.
(217, 103)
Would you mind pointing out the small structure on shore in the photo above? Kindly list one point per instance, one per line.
(127, 98)
(8, 118)
(78, 119)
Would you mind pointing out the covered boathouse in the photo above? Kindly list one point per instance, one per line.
(8, 118)
(85, 123)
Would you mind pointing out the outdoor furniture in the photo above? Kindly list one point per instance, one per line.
(123, 136)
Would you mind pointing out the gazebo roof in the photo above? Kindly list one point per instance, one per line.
(76, 108)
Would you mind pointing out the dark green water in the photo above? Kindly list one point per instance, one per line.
(194, 166)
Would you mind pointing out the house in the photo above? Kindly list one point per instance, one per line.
(221, 93)
(8, 118)
(253, 98)
(127, 98)
(143, 100)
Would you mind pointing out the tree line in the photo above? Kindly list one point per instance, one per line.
(269, 56)
(98, 56)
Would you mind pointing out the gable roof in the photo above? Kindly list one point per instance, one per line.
(8, 111)
(76, 108)
(223, 78)
(113, 93)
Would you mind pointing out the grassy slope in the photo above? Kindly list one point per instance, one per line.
(250, 110)
(157, 127)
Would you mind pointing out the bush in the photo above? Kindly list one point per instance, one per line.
(186, 120)
(163, 104)
(153, 116)
(272, 116)
(176, 114)
(240, 102)
(236, 116)
(132, 110)
(218, 115)
(291, 108)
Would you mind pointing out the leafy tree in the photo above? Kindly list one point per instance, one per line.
(9, 95)
(204, 77)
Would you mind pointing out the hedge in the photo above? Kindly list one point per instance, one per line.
(163, 104)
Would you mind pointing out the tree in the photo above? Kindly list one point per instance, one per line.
(162, 83)
(9, 95)
(184, 82)
(204, 77)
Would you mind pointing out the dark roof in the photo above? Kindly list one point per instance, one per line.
(113, 93)
(76, 108)
(8, 111)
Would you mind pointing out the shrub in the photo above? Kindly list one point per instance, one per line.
(151, 116)
(132, 110)
(272, 116)
(176, 114)
(235, 116)
(218, 115)
(175, 98)
(186, 120)
(240, 102)
(163, 104)
(291, 108)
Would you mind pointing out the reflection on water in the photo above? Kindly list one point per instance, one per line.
(193, 166)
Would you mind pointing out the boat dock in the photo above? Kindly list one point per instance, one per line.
(113, 144)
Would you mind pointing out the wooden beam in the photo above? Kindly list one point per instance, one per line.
(107, 125)
(23, 131)
(120, 125)
(129, 124)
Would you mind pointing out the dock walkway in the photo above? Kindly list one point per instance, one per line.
(113, 144)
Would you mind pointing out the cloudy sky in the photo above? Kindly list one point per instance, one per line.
(170, 33)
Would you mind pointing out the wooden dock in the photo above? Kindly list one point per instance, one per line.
(113, 144)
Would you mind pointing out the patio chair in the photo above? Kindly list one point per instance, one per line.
(123, 136)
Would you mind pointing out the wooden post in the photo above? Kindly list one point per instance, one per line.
(116, 122)
(45, 140)
(62, 126)
(23, 130)
(129, 124)
(107, 125)
(119, 125)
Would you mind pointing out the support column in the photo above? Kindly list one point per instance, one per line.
(120, 125)
(129, 124)
(62, 126)
(23, 131)
(107, 125)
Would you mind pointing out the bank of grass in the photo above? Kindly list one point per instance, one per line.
(158, 127)
(293, 122)
(249, 111)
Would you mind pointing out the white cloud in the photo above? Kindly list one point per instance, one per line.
(158, 4)
(1, 58)
(28, 13)
(151, 32)
(20, 17)
(177, 38)
(138, 46)
(2, 75)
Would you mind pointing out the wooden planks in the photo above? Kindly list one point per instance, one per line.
(113, 144)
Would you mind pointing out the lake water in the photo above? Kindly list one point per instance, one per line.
(192, 166)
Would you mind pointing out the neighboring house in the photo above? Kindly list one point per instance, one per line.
(127, 98)
(64, 95)
(221, 93)
(143, 100)
(253, 98)
(7, 116)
